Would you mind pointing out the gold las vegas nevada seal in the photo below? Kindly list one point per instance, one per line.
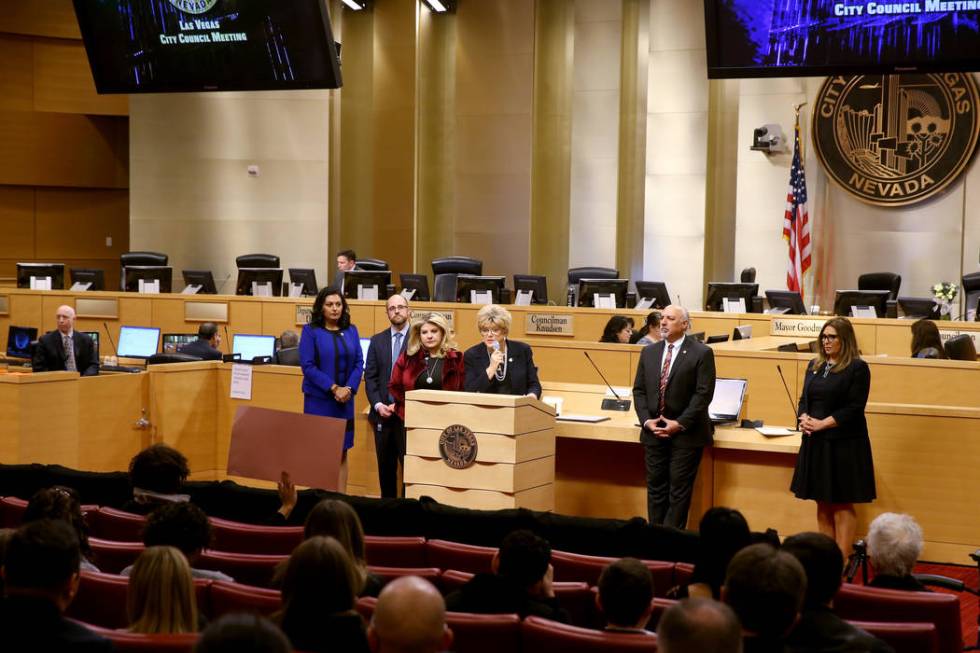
(895, 140)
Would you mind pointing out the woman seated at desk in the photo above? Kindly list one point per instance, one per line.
(497, 364)
(431, 361)
(619, 329)
(926, 342)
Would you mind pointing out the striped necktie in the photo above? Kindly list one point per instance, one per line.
(69, 346)
(664, 373)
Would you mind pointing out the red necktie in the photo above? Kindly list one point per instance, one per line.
(663, 376)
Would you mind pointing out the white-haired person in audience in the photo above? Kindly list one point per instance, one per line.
(625, 595)
(497, 364)
(698, 624)
(410, 617)
(894, 544)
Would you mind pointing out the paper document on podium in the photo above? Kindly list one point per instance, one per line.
(266, 442)
(775, 431)
(589, 419)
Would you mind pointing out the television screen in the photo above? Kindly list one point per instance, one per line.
(250, 346)
(19, 341)
(137, 342)
(792, 38)
(154, 46)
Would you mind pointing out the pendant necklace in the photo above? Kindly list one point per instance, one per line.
(501, 372)
(431, 372)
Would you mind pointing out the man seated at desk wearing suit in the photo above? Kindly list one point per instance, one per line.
(389, 430)
(206, 345)
(346, 261)
(288, 352)
(675, 381)
(66, 349)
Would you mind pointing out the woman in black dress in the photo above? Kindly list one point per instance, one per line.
(497, 364)
(834, 466)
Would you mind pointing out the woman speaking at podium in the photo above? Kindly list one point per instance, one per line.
(834, 466)
(497, 364)
(431, 360)
(330, 355)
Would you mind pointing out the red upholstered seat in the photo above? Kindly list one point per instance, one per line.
(461, 557)
(236, 537)
(543, 636)
(904, 638)
(484, 633)
(862, 603)
(11, 511)
(246, 568)
(452, 579)
(112, 524)
(683, 572)
(659, 607)
(112, 557)
(586, 568)
(123, 642)
(390, 551)
(387, 574)
(365, 607)
(235, 597)
(101, 599)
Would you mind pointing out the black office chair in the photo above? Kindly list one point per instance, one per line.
(372, 264)
(577, 274)
(961, 348)
(748, 275)
(138, 258)
(881, 281)
(971, 293)
(446, 270)
(257, 261)
(171, 357)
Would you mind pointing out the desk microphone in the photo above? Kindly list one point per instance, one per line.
(109, 335)
(788, 395)
(227, 337)
(609, 404)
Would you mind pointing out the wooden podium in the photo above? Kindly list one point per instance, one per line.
(512, 464)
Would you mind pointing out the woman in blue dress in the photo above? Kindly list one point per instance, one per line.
(330, 355)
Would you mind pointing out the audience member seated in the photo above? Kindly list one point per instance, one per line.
(157, 476)
(160, 598)
(723, 533)
(619, 329)
(41, 575)
(336, 519)
(625, 595)
(819, 630)
(410, 616)
(318, 594)
(207, 343)
(5, 535)
(765, 588)
(61, 503)
(649, 333)
(926, 342)
(242, 633)
(288, 353)
(894, 544)
(701, 625)
(185, 527)
(521, 582)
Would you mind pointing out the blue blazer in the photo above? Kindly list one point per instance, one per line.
(327, 359)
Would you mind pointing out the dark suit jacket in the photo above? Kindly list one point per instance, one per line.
(846, 396)
(819, 630)
(202, 349)
(690, 387)
(34, 624)
(288, 356)
(377, 369)
(521, 369)
(49, 356)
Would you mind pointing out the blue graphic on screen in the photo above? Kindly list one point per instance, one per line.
(852, 33)
(137, 342)
(250, 346)
(19, 341)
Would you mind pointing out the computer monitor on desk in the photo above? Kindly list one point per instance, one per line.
(845, 301)
(94, 335)
(367, 284)
(719, 291)
(172, 342)
(203, 279)
(95, 278)
(655, 290)
(419, 283)
(37, 275)
(468, 284)
(19, 341)
(265, 282)
(785, 301)
(144, 278)
(536, 283)
(919, 307)
(305, 277)
(137, 342)
(250, 346)
(589, 288)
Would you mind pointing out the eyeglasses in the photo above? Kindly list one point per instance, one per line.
(395, 309)
(828, 336)
(490, 331)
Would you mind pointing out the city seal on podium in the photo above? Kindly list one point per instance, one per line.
(194, 6)
(895, 140)
(457, 446)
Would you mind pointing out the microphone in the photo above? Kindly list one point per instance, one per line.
(789, 396)
(227, 337)
(109, 335)
(496, 347)
(609, 404)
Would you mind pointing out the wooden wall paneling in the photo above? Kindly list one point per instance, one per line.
(280, 316)
(765, 397)
(54, 149)
(245, 316)
(184, 410)
(558, 362)
(17, 226)
(74, 223)
(49, 420)
(63, 81)
(109, 407)
(914, 381)
(54, 18)
(16, 89)
(169, 316)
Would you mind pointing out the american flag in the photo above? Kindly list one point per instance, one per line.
(796, 223)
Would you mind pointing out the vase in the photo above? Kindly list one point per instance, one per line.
(945, 309)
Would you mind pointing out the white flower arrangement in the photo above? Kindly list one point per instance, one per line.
(945, 291)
